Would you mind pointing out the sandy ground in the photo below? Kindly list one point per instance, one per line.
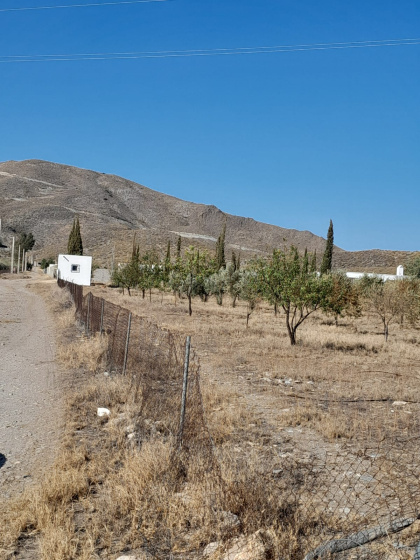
(29, 385)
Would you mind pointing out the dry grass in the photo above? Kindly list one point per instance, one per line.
(276, 415)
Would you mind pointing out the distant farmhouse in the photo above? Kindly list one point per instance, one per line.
(384, 277)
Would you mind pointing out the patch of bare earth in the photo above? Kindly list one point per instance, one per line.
(30, 386)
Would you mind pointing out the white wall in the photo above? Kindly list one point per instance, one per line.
(75, 268)
(385, 277)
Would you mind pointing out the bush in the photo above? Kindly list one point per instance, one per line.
(45, 263)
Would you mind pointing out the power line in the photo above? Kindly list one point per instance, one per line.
(117, 3)
(208, 52)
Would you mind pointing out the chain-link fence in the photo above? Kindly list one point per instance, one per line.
(353, 493)
(154, 359)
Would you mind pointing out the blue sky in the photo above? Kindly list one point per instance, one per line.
(288, 138)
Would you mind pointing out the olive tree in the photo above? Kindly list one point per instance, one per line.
(285, 280)
(250, 290)
(189, 274)
(384, 299)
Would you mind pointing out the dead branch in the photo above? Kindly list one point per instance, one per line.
(362, 537)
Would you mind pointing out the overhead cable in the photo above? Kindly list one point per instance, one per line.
(208, 52)
(95, 4)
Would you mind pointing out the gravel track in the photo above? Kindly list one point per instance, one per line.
(29, 386)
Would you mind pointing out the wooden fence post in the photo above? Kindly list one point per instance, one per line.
(184, 390)
(127, 343)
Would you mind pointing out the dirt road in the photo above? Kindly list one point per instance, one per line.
(29, 386)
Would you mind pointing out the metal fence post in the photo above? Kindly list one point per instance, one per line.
(12, 264)
(88, 313)
(102, 316)
(184, 390)
(127, 343)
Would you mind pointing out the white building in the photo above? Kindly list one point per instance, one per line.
(75, 268)
(384, 277)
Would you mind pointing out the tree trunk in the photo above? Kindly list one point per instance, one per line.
(248, 315)
(275, 309)
(234, 301)
(150, 294)
(292, 336)
(143, 291)
(189, 305)
(290, 330)
(386, 333)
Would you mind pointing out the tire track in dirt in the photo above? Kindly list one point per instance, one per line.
(29, 387)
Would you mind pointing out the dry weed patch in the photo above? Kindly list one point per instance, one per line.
(276, 471)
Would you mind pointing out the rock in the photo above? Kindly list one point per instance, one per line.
(210, 548)
(228, 521)
(251, 548)
(104, 412)
(140, 555)
(399, 403)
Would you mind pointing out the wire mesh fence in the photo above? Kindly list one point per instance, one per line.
(355, 493)
(154, 359)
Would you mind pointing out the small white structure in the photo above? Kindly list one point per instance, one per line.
(75, 268)
(52, 270)
(384, 277)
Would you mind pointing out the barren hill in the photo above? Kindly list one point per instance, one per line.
(43, 198)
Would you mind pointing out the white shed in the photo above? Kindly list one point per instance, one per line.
(75, 268)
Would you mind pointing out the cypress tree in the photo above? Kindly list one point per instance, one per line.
(305, 263)
(167, 265)
(75, 244)
(78, 238)
(178, 248)
(220, 249)
(70, 242)
(313, 262)
(326, 265)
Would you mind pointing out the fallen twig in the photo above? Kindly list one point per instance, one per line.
(362, 537)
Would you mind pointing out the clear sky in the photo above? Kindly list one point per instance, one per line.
(289, 138)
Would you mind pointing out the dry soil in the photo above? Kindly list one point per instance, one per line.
(29, 385)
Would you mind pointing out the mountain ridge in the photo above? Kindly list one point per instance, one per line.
(43, 197)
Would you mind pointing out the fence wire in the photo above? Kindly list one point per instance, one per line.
(356, 493)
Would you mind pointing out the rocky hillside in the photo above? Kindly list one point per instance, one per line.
(44, 197)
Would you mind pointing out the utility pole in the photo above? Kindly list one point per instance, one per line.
(18, 266)
(13, 256)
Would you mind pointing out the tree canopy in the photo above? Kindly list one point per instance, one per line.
(75, 244)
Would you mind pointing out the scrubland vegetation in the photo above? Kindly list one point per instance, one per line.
(313, 438)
